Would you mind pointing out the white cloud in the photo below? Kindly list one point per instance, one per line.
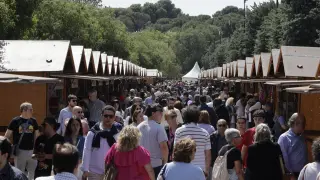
(192, 7)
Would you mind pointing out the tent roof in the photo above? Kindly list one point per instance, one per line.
(257, 63)
(276, 59)
(249, 65)
(241, 68)
(77, 52)
(266, 62)
(300, 61)
(34, 55)
(194, 72)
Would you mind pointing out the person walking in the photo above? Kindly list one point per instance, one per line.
(24, 130)
(293, 145)
(131, 160)
(204, 122)
(264, 160)
(44, 146)
(199, 135)
(212, 114)
(98, 141)
(181, 167)
(311, 170)
(154, 137)
(65, 161)
(234, 161)
(95, 107)
(171, 101)
(66, 113)
(248, 136)
(8, 172)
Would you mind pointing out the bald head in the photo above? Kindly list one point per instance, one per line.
(77, 112)
(297, 123)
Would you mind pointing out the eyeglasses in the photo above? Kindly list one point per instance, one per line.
(108, 116)
(222, 125)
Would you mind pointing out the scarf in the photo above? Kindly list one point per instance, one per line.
(98, 133)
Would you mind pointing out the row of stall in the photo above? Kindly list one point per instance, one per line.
(287, 77)
(45, 72)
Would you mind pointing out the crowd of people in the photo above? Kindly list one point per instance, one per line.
(162, 132)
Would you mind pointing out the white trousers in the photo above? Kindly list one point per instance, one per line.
(24, 161)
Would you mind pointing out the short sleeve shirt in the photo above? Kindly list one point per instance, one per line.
(152, 135)
(44, 167)
(18, 125)
(234, 155)
(247, 140)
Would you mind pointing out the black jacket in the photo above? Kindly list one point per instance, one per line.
(263, 161)
(223, 113)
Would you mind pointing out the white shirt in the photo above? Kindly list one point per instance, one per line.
(60, 176)
(93, 158)
(240, 109)
(310, 171)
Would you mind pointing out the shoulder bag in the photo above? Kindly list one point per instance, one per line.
(110, 170)
(16, 146)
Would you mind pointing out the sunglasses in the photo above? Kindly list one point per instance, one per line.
(74, 100)
(222, 125)
(80, 112)
(108, 116)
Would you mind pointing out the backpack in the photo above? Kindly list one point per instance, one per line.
(220, 171)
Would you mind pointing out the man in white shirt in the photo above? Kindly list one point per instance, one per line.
(171, 101)
(65, 160)
(66, 113)
(98, 141)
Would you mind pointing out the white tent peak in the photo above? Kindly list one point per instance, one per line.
(193, 74)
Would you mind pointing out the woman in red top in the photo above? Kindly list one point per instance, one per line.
(241, 126)
(131, 160)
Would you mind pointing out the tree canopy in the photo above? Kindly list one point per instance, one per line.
(159, 35)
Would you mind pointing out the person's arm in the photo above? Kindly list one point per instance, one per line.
(207, 154)
(150, 171)
(179, 117)
(60, 120)
(8, 134)
(284, 147)
(244, 152)
(87, 154)
(164, 151)
(238, 169)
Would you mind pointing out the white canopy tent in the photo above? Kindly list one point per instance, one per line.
(193, 74)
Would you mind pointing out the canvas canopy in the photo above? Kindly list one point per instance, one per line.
(193, 74)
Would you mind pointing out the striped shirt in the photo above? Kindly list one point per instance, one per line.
(202, 139)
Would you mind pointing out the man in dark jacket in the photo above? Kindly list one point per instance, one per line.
(204, 107)
(221, 110)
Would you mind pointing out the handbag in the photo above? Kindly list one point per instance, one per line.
(111, 171)
(16, 146)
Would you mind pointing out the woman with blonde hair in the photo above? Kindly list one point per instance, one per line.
(204, 122)
(230, 105)
(131, 160)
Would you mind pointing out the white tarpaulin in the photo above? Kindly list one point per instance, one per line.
(193, 75)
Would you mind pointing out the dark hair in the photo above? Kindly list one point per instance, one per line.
(135, 115)
(133, 108)
(5, 146)
(191, 114)
(153, 108)
(241, 117)
(316, 150)
(203, 99)
(109, 108)
(178, 105)
(71, 97)
(215, 95)
(185, 94)
(92, 91)
(183, 150)
(82, 103)
(65, 158)
(68, 132)
(259, 113)
(243, 95)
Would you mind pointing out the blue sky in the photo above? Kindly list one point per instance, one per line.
(192, 7)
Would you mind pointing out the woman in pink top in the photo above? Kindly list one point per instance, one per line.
(131, 160)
